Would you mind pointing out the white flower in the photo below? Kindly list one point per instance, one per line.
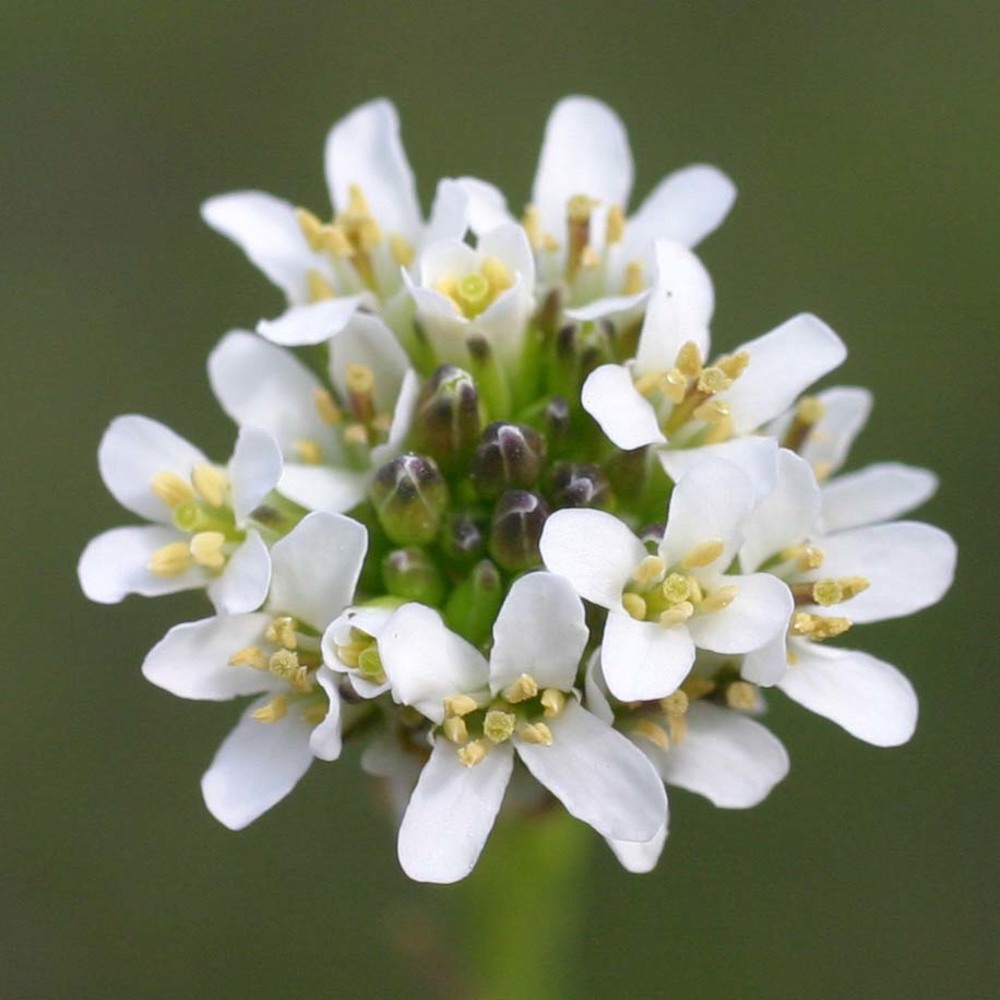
(866, 572)
(201, 514)
(576, 219)
(670, 397)
(330, 446)
(350, 646)
(327, 270)
(663, 606)
(488, 290)
(275, 653)
(521, 701)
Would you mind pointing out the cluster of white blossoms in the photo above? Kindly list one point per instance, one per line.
(498, 512)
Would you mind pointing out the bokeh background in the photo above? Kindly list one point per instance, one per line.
(864, 139)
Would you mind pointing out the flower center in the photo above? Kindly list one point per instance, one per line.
(477, 291)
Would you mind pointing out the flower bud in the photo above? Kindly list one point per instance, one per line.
(628, 471)
(412, 575)
(518, 519)
(579, 484)
(510, 456)
(447, 421)
(462, 539)
(556, 424)
(409, 497)
(473, 605)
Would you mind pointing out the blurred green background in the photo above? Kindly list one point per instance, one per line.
(864, 139)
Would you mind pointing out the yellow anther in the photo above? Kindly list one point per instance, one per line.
(357, 203)
(741, 696)
(822, 470)
(282, 631)
(536, 732)
(275, 709)
(249, 656)
(810, 410)
(818, 627)
(651, 570)
(318, 288)
(675, 704)
(615, 225)
(550, 243)
(649, 383)
(851, 586)
(589, 258)
(206, 549)
(314, 714)
(714, 379)
(327, 409)
(532, 226)
(718, 600)
(300, 681)
(827, 592)
(805, 557)
(635, 278)
(634, 605)
(355, 434)
(697, 594)
(734, 365)
(678, 728)
(312, 228)
(459, 705)
(553, 702)
(284, 664)
(472, 753)
(676, 615)
(171, 488)
(497, 273)
(401, 249)
(675, 385)
(211, 482)
(713, 411)
(336, 242)
(309, 451)
(697, 687)
(720, 429)
(455, 729)
(359, 379)
(703, 554)
(498, 726)
(579, 207)
(522, 689)
(689, 359)
(447, 285)
(649, 730)
(677, 588)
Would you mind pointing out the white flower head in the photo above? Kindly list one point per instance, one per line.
(520, 702)
(328, 270)
(201, 533)
(274, 653)
(664, 606)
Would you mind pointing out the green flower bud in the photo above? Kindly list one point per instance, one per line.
(411, 575)
(579, 484)
(462, 539)
(510, 456)
(409, 496)
(518, 519)
(556, 424)
(447, 422)
(473, 605)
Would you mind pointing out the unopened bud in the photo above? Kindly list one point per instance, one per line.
(579, 484)
(411, 575)
(556, 423)
(518, 519)
(410, 497)
(462, 539)
(509, 456)
(473, 605)
(447, 421)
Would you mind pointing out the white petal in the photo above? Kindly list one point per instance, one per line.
(509, 243)
(116, 563)
(132, 451)
(319, 487)
(609, 306)
(426, 662)
(642, 660)
(639, 858)
(585, 151)
(730, 759)
(594, 551)
(595, 689)
(261, 385)
(759, 612)
(598, 775)
(711, 503)
(267, 230)
(447, 258)
(871, 699)
(325, 741)
(192, 660)
(686, 205)
(316, 567)
(679, 309)
(364, 148)
(623, 413)
(367, 341)
(244, 583)
(503, 323)
(787, 516)
(754, 456)
(258, 764)
(254, 470)
(386, 757)
(873, 494)
(767, 664)
(310, 324)
(449, 213)
(783, 363)
(451, 813)
(910, 566)
(487, 206)
(540, 631)
(402, 418)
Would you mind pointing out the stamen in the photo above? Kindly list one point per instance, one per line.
(807, 414)
(211, 482)
(805, 557)
(697, 687)
(499, 726)
(649, 730)
(713, 380)
(615, 225)
(675, 704)
(522, 689)
(308, 451)
(818, 627)
(282, 631)
(537, 733)
(676, 615)
(532, 226)
(327, 409)
(401, 249)
(459, 704)
(635, 278)
(553, 702)
(689, 359)
(284, 664)
(703, 554)
(722, 598)
(455, 730)
(249, 656)
(828, 592)
(635, 606)
(472, 753)
(650, 570)
(578, 210)
(171, 560)
(312, 228)
(336, 242)
(206, 549)
(497, 273)
(741, 696)
(275, 709)
(734, 365)
(171, 488)
(318, 288)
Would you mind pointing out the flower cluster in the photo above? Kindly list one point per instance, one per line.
(498, 510)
